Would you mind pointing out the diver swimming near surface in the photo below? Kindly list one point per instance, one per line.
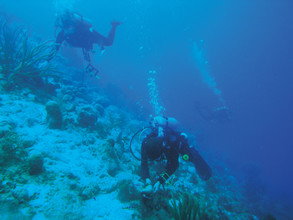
(78, 31)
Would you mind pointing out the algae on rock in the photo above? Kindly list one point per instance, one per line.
(11, 148)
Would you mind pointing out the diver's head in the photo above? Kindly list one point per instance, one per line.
(154, 147)
(65, 19)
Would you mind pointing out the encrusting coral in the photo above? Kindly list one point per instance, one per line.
(11, 148)
(54, 115)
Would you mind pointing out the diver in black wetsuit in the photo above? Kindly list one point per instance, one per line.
(166, 142)
(77, 31)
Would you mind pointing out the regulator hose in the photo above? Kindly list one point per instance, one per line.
(139, 131)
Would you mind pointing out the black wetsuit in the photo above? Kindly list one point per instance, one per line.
(172, 145)
(80, 34)
(83, 37)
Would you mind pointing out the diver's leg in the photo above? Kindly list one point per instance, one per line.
(86, 55)
(111, 35)
(102, 41)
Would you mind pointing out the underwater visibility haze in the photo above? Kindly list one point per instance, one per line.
(222, 68)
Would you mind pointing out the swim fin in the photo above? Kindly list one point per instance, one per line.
(203, 169)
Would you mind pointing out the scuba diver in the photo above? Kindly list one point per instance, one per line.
(78, 31)
(218, 115)
(166, 142)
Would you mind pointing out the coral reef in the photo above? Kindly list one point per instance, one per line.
(89, 167)
(83, 169)
(87, 117)
(36, 163)
(54, 115)
(11, 148)
(128, 192)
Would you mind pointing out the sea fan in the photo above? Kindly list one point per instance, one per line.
(22, 57)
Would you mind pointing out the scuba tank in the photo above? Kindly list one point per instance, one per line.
(164, 122)
(67, 21)
(82, 20)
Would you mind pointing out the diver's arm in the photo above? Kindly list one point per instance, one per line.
(59, 40)
(144, 162)
(172, 166)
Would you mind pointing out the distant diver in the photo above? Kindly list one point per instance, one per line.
(165, 142)
(78, 31)
(220, 114)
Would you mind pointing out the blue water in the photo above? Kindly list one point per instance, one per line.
(248, 46)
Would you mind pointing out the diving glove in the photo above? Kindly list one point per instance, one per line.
(148, 188)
